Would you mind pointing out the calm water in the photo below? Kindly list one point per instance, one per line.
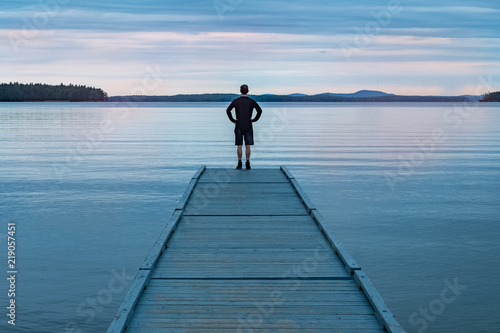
(413, 191)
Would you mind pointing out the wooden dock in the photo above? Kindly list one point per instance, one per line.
(246, 251)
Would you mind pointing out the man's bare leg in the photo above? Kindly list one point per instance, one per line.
(247, 152)
(239, 151)
(247, 155)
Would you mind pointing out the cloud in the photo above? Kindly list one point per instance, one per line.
(467, 10)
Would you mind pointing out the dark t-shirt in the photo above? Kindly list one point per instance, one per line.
(244, 107)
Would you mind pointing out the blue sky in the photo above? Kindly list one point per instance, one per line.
(169, 47)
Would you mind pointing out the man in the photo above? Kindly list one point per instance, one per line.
(243, 130)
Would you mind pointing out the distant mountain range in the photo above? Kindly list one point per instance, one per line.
(361, 93)
(360, 96)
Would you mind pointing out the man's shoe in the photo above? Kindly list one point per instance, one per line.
(239, 166)
(247, 165)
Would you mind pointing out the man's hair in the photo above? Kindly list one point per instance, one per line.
(244, 89)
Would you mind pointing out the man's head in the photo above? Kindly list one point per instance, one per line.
(244, 89)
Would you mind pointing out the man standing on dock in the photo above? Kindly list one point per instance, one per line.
(244, 107)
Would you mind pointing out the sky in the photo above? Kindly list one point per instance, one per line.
(168, 47)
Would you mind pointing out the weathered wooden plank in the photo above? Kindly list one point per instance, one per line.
(167, 286)
(206, 299)
(287, 172)
(126, 310)
(226, 255)
(200, 171)
(222, 176)
(231, 235)
(239, 244)
(226, 298)
(303, 197)
(218, 272)
(350, 264)
(182, 203)
(256, 330)
(241, 201)
(160, 243)
(263, 223)
(189, 190)
(383, 313)
(309, 230)
(242, 284)
(257, 209)
(220, 310)
(214, 254)
(353, 302)
(262, 330)
(271, 251)
(357, 323)
(249, 190)
(245, 264)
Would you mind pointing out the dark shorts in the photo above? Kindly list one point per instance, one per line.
(239, 135)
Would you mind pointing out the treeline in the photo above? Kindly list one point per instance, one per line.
(18, 92)
(286, 98)
(491, 97)
(176, 98)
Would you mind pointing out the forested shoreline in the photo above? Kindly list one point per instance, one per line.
(491, 97)
(38, 92)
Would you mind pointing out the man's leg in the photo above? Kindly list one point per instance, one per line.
(247, 155)
(247, 152)
(238, 141)
(248, 143)
(239, 151)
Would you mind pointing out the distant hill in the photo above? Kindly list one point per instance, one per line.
(473, 98)
(362, 93)
(360, 96)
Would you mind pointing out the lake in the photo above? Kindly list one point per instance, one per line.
(411, 189)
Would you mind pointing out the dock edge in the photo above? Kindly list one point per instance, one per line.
(126, 310)
(384, 315)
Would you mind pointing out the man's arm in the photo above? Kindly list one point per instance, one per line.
(259, 112)
(228, 111)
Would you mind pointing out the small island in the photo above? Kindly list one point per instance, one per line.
(18, 92)
(491, 97)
